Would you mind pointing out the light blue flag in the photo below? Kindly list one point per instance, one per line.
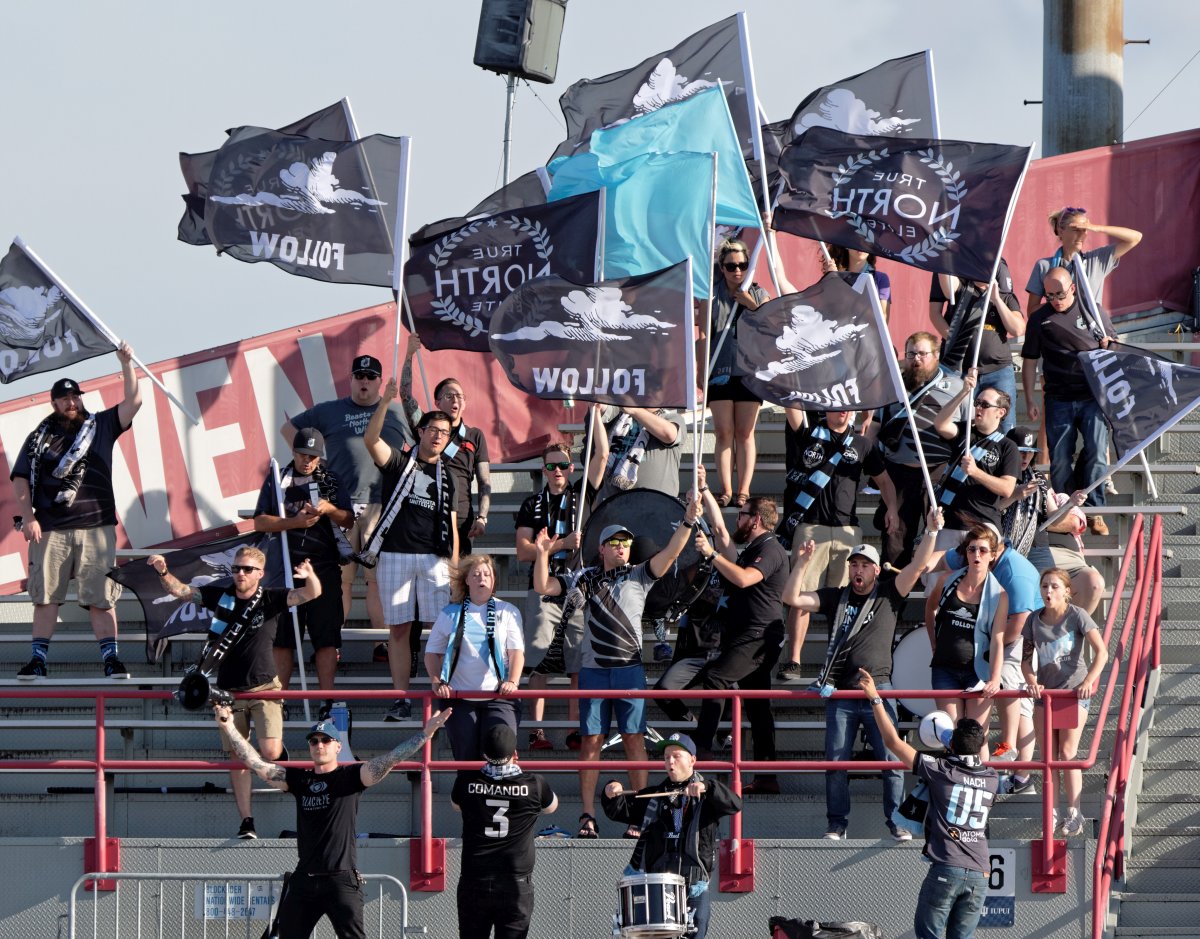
(658, 210)
(698, 124)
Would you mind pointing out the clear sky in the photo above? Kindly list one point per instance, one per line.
(101, 97)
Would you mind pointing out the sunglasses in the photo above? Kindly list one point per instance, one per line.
(978, 549)
(732, 266)
(619, 542)
(319, 741)
(987, 404)
(1060, 295)
(365, 376)
(244, 569)
(551, 467)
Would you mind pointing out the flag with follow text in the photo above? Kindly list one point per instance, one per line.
(939, 205)
(331, 123)
(315, 208)
(818, 349)
(456, 281)
(628, 341)
(40, 328)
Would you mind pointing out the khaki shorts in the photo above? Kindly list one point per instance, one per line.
(267, 716)
(83, 554)
(830, 564)
(365, 520)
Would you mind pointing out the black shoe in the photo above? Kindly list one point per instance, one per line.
(400, 710)
(789, 672)
(34, 670)
(114, 668)
(325, 710)
(246, 832)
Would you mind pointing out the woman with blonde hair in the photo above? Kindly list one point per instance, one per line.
(1071, 226)
(966, 613)
(1062, 634)
(476, 646)
(733, 407)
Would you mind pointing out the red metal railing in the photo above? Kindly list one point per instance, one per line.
(1050, 862)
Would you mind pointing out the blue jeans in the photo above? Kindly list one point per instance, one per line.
(1003, 379)
(950, 903)
(843, 717)
(701, 908)
(1065, 419)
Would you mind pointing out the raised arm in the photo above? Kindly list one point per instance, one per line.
(945, 423)
(408, 402)
(656, 425)
(379, 449)
(599, 461)
(272, 774)
(373, 771)
(806, 601)
(925, 556)
(312, 584)
(543, 583)
(171, 583)
(661, 562)
(1126, 238)
(132, 401)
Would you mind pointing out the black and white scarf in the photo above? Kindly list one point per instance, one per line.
(557, 514)
(227, 630)
(1020, 521)
(369, 556)
(957, 476)
(845, 631)
(626, 446)
(73, 465)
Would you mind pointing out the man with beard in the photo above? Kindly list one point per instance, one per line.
(862, 621)
(342, 422)
(825, 462)
(752, 625)
(977, 478)
(1058, 331)
(62, 481)
(416, 540)
(929, 388)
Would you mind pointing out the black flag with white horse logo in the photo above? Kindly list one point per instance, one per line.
(818, 349)
(40, 328)
(323, 209)
(624, 342)
(938, 205)
(455, 281)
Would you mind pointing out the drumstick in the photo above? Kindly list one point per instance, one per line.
(651, 795)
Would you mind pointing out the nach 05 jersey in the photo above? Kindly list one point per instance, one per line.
(961, 793)
(499, 818)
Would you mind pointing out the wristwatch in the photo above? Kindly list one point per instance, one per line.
(876, 700)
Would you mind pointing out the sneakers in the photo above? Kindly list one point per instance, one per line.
(34, 670)
(246, 832)
(1015, 787)
(1004, 752)
(400, 710)
(379, 653)
(115, 668)
(898, 833)
(1073, 824)
(788, 671)
(1098, 526)
(538, 741)
(835, 834)
(762, 786)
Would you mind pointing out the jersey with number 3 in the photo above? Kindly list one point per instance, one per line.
(960, 798)
(499, 821)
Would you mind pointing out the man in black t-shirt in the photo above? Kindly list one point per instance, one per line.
(416, 540)
(313, 504)
(862, 619)
(249, 664)
(976, 479)
(62, 483)
(825, 462)
(961, 792)
(500, 806)
(752, 623)
(326, 881)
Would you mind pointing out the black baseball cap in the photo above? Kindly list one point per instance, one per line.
(309, 440)
(367, 363)
(64, 387)
(499, 744)
(1025, 438)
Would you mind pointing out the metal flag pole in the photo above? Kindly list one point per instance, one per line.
(98, 323)
(753, 109)
(401, 242)
(290, 582)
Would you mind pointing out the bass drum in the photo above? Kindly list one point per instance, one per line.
(652, 516)
(911, 672)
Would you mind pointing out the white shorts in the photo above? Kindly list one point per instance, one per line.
(412, 587)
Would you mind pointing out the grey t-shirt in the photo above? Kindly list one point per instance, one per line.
(659, 468)
(1098, 263)
(342, 423)
(1061, 648)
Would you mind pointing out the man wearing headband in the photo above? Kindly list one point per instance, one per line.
(500, 806)
(326, 881)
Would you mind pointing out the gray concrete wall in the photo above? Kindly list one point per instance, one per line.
(575, 885)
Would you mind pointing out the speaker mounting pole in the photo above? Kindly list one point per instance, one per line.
(510, 100)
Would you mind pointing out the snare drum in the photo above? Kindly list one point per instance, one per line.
(652, 906)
